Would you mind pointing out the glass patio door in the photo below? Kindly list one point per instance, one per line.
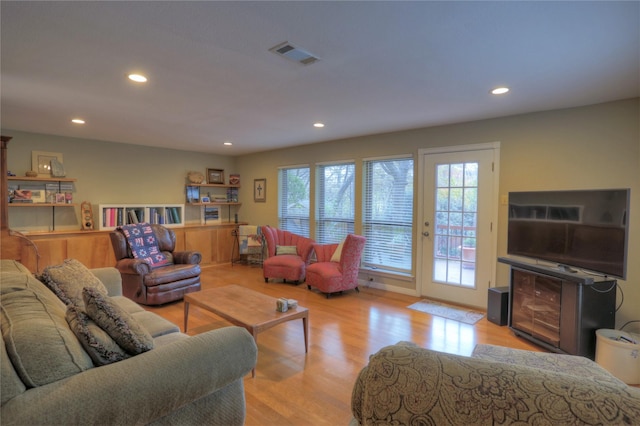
(458, 248)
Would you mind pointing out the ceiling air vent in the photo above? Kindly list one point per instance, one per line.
(289, 51)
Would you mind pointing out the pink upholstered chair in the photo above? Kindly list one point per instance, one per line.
(288, 255)
(336, 276)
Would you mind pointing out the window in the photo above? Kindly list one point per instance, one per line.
(388, 214)
(293, 202)
(336, 203)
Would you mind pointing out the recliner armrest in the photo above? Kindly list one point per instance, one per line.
(133, 266)
(187, 257)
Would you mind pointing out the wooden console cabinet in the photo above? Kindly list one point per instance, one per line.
(557, 309)
(93, 248)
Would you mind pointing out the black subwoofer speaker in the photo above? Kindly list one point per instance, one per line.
(498, 306)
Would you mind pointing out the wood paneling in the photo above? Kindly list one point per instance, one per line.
(200, 240)
(226, 240)
(93, 248)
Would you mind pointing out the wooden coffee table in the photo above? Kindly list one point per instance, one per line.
(246, 308)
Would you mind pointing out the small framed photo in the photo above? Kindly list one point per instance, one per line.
(260, 190)
(193, 194)
(212, 215)
(60, 198)
(215, 176)
(39, 196)
(234, 179)
(205, 199)
(41, 163)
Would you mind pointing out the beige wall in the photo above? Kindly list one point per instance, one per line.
(595, 146)
(109, 173)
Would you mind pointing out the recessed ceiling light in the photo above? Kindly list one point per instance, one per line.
(228, 143)
(319, 125)
(500, 90)
(77, 121)
(138, 78)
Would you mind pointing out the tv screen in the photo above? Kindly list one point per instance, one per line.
(585, 229)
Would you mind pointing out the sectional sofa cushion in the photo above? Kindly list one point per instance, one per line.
(9, 379)
(68, 279)
(120, 325)
(99, 345)
(40, 344)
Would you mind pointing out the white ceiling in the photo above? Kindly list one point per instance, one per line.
(385, 66)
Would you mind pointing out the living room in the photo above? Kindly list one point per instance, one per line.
(585, 144)
(545, 150)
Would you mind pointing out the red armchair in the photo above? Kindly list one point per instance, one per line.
(336, 276)
(292, 265)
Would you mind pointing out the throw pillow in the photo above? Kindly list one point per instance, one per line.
(99, 345)
(338, 253)
(120, 325)
(68, 279)
(286, 250)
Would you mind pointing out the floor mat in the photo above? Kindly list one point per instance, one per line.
(447, 311)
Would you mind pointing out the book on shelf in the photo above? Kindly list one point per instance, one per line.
(135, 215)
(232, 195)
(175, 214)
(156, 215)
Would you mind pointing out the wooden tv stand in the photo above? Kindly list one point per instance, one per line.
(557, 309)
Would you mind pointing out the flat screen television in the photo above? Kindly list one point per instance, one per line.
(585, 229)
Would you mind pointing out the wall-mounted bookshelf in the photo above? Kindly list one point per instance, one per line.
(216, 193)
(113, 215)
(33, 192)
(207, 197)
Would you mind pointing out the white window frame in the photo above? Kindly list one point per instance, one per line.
(298, 222)
(383, 251)
(334, 229)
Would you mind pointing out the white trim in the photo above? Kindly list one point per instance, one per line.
(295, 166)
(334, 163)
(459, 148)
(389, 157)
(495, 147)
(386, 274)
(387, 287)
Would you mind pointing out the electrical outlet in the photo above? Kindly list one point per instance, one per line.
(504, 199)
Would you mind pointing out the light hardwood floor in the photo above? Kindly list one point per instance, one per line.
(294, 388)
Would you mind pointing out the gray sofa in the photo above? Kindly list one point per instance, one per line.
(405, 385)
(48, 378)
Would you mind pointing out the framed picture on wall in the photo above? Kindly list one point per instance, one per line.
(41, 163)
(215, 176)
(234, 179)
(211, 214)
(260, 190)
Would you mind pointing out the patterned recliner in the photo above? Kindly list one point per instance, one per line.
(150, 285)
(289, 267)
